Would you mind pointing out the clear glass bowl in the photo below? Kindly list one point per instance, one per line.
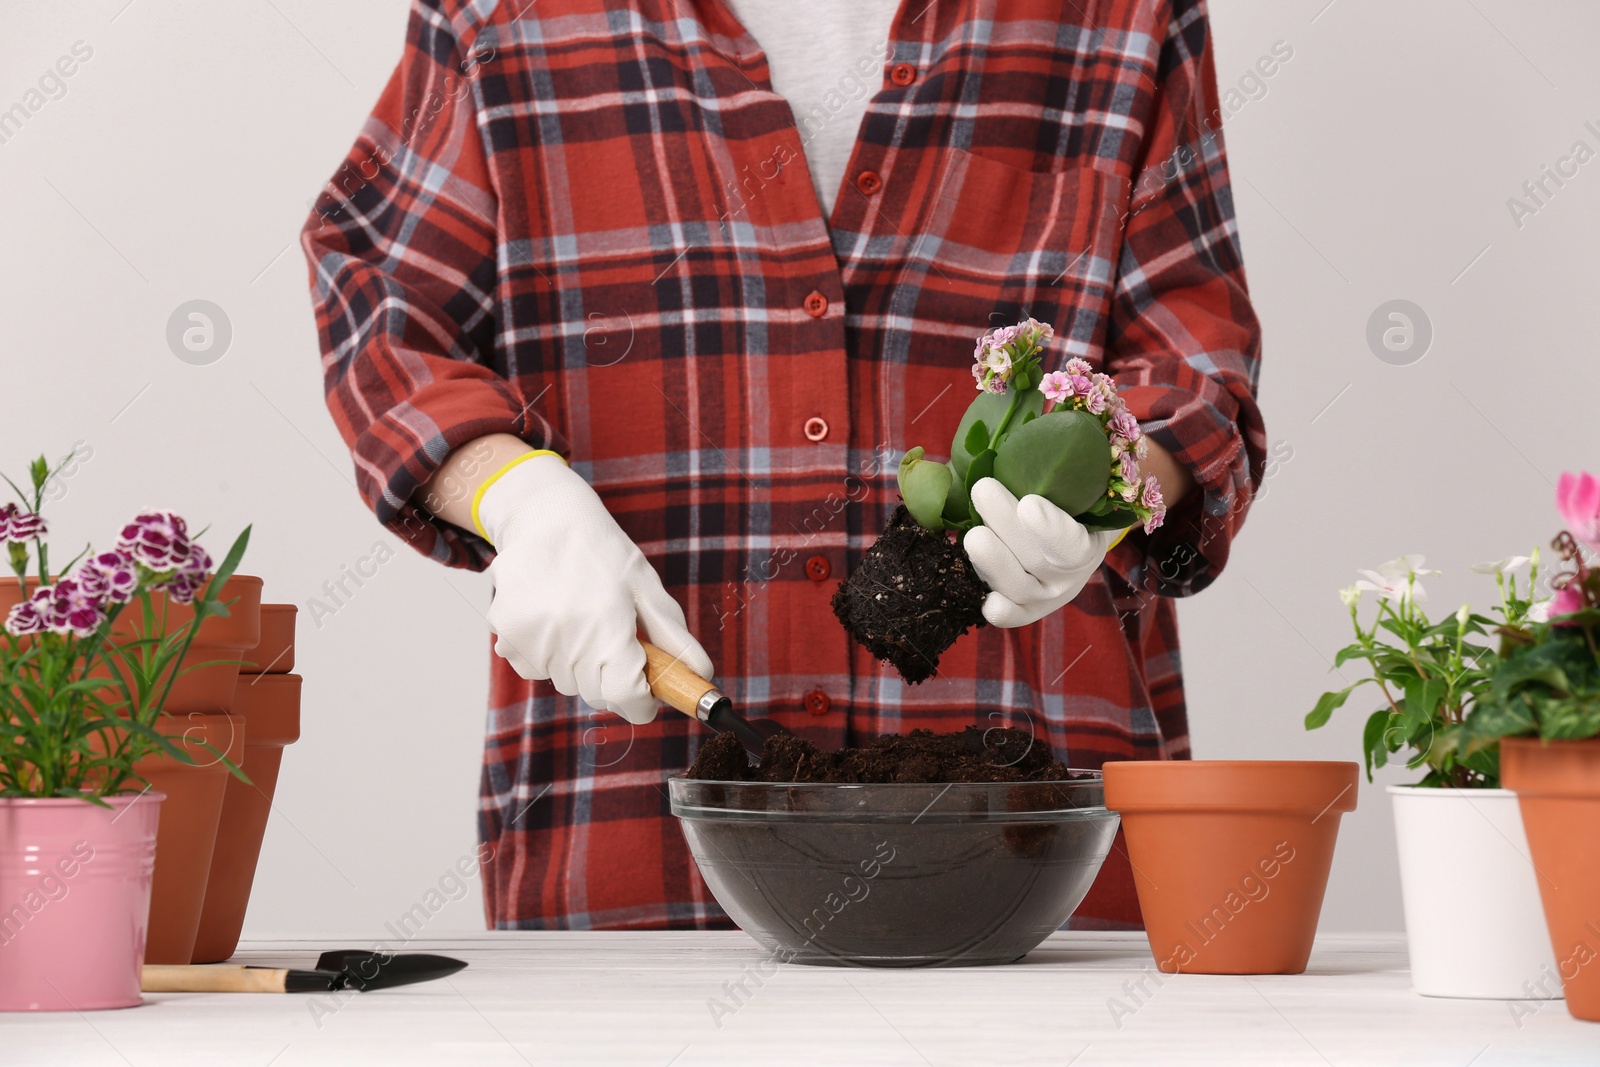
(901, 875)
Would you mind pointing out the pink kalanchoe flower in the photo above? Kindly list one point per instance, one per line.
(1079, 368)
(1081, 385)
(157, 539)
(1095, 402)
(1578, 498)
(1153, 523)
(1125, 426)
(109, 574)
(1056, 386)
(1130, 467)
(1151, 497)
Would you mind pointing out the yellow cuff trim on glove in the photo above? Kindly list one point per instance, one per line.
(477, 495)
(1113, 544)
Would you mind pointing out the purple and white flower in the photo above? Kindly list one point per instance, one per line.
(157, 539)
(19, 525)
(190, 579)
(112, 575)
(29, 617)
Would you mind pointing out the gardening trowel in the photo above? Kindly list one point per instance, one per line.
(683, 689)
(345, 968)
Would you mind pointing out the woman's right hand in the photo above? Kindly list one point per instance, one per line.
(572, 591)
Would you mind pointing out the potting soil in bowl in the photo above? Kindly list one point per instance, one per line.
(917, 850)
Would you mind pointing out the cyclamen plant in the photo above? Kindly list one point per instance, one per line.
(78, 702)
(1546, 682)
(1081, 452)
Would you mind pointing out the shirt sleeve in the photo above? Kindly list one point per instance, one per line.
(402, 253)
(1183, 343)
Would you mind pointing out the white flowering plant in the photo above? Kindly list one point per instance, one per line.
(1065, 435)
(80, 697)
(1430, 674)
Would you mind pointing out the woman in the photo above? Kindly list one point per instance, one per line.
(607, 288)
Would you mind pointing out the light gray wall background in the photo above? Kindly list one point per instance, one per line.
(1374, 165)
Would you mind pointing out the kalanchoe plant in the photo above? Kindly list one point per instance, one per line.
(80, 702)
(1064, 435)
(1430, 674)
(1546, 681)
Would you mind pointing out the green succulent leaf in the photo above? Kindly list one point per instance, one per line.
(957, 507)
(977, 438)
(991, 409)
(924, 486)
(1062, 456)
(981, 467)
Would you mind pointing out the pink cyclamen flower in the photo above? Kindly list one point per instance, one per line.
(157, 539)
(1567, 600)
(1079, 368)
(1056, 386)
(1578, 498)
(1125, 426)
(112, 575)
(19, 525)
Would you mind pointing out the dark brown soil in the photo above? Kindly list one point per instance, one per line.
(913, 594)
(998, 754)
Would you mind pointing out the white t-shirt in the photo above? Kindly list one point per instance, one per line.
(813, 49)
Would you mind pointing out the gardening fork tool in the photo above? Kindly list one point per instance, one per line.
(345, 968)
(682, 689)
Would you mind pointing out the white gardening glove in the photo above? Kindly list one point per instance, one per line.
(1032, 555)
(572, 590)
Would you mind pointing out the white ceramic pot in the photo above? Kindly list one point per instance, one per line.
(1474, 923)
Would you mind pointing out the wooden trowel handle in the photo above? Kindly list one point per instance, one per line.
(157, 978)
(673, 681)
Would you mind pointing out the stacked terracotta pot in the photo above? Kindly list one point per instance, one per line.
(267, 702)
(212, 823)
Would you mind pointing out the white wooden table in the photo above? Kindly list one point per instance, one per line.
(648, 998)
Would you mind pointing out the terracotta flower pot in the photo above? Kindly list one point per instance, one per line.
(269, 705)
(221, 638)
(1558, 788)
(1230, 857)
(188, 831)
(75, 883)
(275, 653)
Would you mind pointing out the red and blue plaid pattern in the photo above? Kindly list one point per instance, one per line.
(590, 223)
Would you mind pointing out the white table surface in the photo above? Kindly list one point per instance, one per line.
(642, 998)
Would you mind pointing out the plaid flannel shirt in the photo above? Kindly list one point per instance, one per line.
(590, 223)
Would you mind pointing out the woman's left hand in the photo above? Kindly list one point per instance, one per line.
(1032, 555)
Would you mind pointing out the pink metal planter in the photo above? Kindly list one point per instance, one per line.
(74, 900)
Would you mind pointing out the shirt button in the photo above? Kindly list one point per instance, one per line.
(902, 74)
(869, 182)
(817, 702)
(818, 568)
(816, 305)
(816, 429)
